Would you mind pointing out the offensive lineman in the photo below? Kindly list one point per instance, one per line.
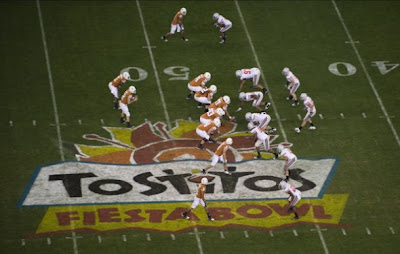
(290, 159)
(292, 84)
(199, 199)
(247, 74)
(205, 96)
(255, 97)
(222, 102)
(220, 155)
(116, 84)
(198, 84)
(126, 99)
(177, 25)
(223, 24)
(311, 111)
(294, 197)
(205, 131)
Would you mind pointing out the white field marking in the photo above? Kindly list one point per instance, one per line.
(53, 96)
(102, 121)
(246, 234)
(148, 237)
(352, 41)
(196, 233)
(124, 238)
(99, 238)
(154, 66)
(190, 119)
(80, 122)
(295, 232)
(149, 46)
(385, 116)
(321, 116)
(364, 115)
(344, 231)
(299, 116)
(259, 66)
(11, 124)
(271, 234)
(34, 122)
(23, 242)
(60, 124)
(390, 228)
(145, 120)
(321, 237)
(342, 115)
(378, 98)
(222, 234)
(368, 231)
(173, 237)
(48, 241)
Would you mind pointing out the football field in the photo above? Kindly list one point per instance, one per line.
(77, 180)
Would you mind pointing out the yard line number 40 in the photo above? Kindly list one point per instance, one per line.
(347, 69)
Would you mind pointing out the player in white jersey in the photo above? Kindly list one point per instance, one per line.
(223, 24)
(261, 120)
(250, 74)
(260, 138)
(311, 111)
(290, 159)
(255, 97)
(292, 84)
(294, 197)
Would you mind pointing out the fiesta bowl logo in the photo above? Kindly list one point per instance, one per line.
(143, 178)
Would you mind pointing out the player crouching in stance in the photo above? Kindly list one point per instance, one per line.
(311, 111)
(116, 84)
(205, 96)
(127, 99)
(292, 84)
(220, 155)
(290, 159)
(223, 24)
(294, 197)
(250, 74)
(209, 116)
(205, 131)
(223, 103)
(198, 84)
(177, 25)
(255, 97)
(262, 119)
(260, 138)
(199, 199)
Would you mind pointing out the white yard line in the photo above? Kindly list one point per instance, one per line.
(262, 76)
(196, 233)
(378, 98)
(149, 47)
(321, 237)
(53, 98)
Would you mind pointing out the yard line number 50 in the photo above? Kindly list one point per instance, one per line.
(347, 69)
(177, 73)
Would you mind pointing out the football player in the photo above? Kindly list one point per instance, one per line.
(290, 159)
(247, 74)
(205, 131)
(209, 116)
(292, 84)
(222, 102)
(198, 84)
(177, 25)
(220, 155)
(115, 85)
(255, 97)
(294, 197)
(126, 99)
(261, 119)
(205, 96)
(311, 111)
(223, 25)
(199, 199)
(260, 138)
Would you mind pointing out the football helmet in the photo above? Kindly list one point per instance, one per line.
(183, 11)
(247, 116)
(217, 122)
(227, 99)
(250, 126)
(229, 141)
(204, 180)
(132, 89)
(282, 185)
(280, 147)
(213, 89)
(220, 111)
(126, 75)
(285, 71)
(215, 16)
(238, 73)
(303, 96)
(242, 96)
(207, 75)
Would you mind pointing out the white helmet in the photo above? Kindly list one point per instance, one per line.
(183, 11)
(220, 111)
(250, 126)
(247, 116)
(280, 147)
(213, 89)
(204, 180)
(229, 141)
(215, 16)
(207, 75)
(303, 96)
(126, 75)
(132, 89)
(285, 71)
(238, 73)
(217, 122)
(282, 185)
(226, 99)
(242, 96)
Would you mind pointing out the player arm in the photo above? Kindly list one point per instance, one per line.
(241, 85)
(133, 99)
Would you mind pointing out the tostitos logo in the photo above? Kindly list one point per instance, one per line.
(143, 178)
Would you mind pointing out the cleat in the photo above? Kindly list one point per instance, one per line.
(227, 172)
(211, 218)
(295, 104)
(257, 157)
(267, 105)
(203, 171)
(288, 98)
(184, 39)
(312, 128)
(128, 125)
(297, 130)
(200, 105)
(272, 130)
(115, 106)
(122, 120)
(264, 90)
(295, 218)
(184, 215)
(164, 39)
(222, 42)
(189, 97)
(200, 146)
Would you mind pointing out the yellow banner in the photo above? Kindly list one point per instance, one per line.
(166, 217)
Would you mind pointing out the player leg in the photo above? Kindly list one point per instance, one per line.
(180, 29)
(205, 209)
(171, 32)
(312, 126)
(293, 94)
(292, 206)
(195, 203)
(114, 92)
(224, 163)
(214, 162)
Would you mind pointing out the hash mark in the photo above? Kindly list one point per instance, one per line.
(124, 238)
(99, 238)
(148, 237)
(102, 121)
(321, 116)
(173, 237)
(295, 232)
(48, 241)
(344, 231)
(368, 231)
(34, 122)
(11, 124)
(23, 242)
(271, 234)
(299, 116)
(80, 122)
(342, 115)
(246, 234)
(392, 230)
(222, 234)
(364, 115)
